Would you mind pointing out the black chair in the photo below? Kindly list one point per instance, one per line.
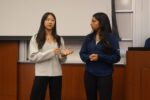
(147, 43)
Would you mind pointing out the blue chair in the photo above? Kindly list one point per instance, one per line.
(147, 43)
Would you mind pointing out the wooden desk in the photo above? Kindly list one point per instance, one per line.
(138, 75)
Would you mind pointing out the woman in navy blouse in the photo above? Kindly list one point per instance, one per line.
(99, 51)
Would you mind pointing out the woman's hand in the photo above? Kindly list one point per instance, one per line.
(66, 52)
(57, 51)
(93, 57)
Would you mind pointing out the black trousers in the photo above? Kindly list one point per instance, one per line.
(96, 83)
(40, 85)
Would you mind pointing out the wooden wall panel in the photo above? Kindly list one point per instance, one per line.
(25, 80)
(8, 70)
(145, 83)
(73, 87)
(119, 83)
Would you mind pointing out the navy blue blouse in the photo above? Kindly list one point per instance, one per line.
(104, 65)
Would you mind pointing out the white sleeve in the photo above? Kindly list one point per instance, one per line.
(35, 55)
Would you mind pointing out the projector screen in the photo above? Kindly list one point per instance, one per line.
(22, 17)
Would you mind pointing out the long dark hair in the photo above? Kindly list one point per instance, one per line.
(40, 39)
(105, 29)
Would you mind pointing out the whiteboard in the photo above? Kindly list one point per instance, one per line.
(22, 17)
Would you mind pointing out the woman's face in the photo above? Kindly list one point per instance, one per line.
(49, 22)
(95, 25)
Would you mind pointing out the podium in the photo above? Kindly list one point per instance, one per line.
(138, 74)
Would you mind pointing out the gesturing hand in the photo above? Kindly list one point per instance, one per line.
(66, 52)
(57, 51)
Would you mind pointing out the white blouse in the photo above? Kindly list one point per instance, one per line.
(47, 63)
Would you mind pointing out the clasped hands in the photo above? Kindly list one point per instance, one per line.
(93, 57)
(64, 52)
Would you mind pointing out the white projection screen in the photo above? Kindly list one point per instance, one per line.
(22, 17)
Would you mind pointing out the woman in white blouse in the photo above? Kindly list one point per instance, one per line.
(47, 51)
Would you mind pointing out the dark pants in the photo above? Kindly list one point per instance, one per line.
(40, 85)
(96, 83)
